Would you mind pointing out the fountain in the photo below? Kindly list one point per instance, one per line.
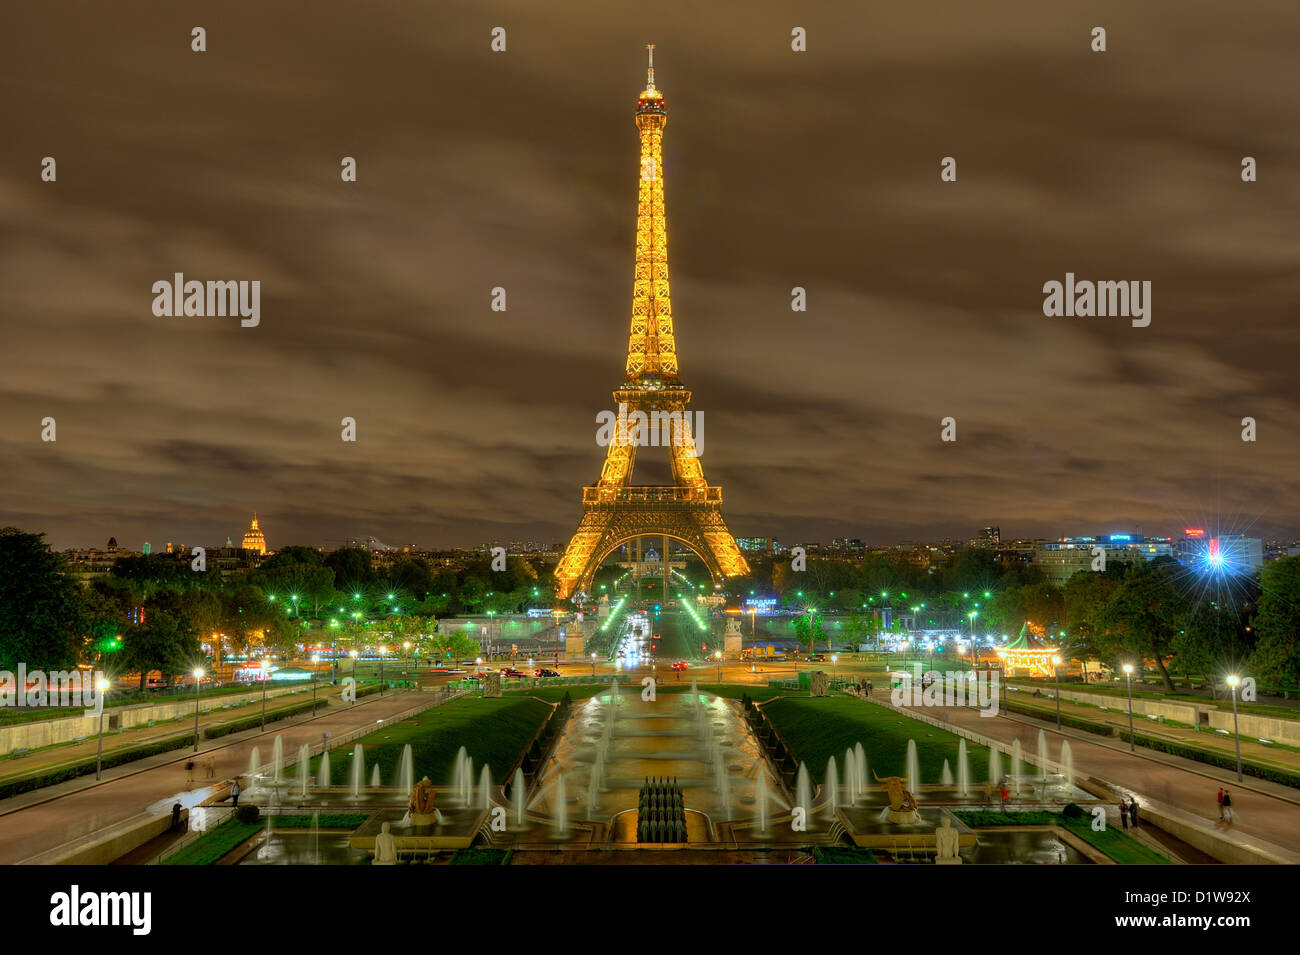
(1067, 762)
(913, 767)
(1016, 763)
(963, 769)
(561, 815)
(803, 793)
(375, 779)
(406, 770)
(358, 770)
(254, 764)
(760, 799)
(304, 769)
(277, 759)
(995, 765)
(518, 798)
(850, 777)
(485, 788)
(458, 773)
(945, 776)
(860, 765)
(323, 780)
(1042, 754)
(832, 787)
(593, 788)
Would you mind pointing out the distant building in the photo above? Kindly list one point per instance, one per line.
(757, 544)
(1059, 560)
(254, 540)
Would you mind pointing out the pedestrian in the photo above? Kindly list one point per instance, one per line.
(1003, 794)
(212, 767)
(176, 817)
(234, 794)
(1123, 813)
(1228, 814)
(1219, 799)
(1133, 810)
(189, 775)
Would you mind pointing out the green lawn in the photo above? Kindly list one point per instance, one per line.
(211, 846)
(819, 728)
(493, 731)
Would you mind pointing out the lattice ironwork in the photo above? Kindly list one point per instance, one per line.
(689, 511)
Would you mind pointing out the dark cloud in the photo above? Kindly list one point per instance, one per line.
(518, 170)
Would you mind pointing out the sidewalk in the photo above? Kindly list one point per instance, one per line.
(54, 757)
(1251, 749)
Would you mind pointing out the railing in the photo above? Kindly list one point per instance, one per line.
(671, 494)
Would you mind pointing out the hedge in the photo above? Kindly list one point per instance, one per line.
(1074, 722)
(238, 726)
(1221, 760)
(63, 773)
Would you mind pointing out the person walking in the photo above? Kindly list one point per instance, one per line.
(189, 775)
(1219, 799)
(1228, 814)
(212, 767)
(1133, 810)
(234, 794)
(1123, 813)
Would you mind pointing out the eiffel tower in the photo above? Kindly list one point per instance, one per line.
(613, 511)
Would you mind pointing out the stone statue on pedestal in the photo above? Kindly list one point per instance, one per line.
(385, 847)
(947, 840)
(420, 808)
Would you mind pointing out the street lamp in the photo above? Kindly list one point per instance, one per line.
(198, 683)
(834, 660)
(593, 666)
(974, 661)
(315, 665)
(353, 655)
(1128, 678)
(1234, 681)
(266, 672)
(717, 655)
(382, 651)
(1056, 668)
(102, 686)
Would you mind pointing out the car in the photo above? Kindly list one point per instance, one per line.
(681, 665)
(513, 673)
(546, 672)
(480, 674)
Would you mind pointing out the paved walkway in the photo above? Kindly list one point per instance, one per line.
(1191, 790)
(71, 816)
(51, 757)
(1116, 715)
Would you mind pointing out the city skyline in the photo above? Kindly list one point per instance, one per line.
(788, 170)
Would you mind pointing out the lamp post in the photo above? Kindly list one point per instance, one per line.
(1128, 678)
(382, 651)
(593, 666)
(1234, 681)
(353, 655)
(315, 665)
(1056, 668)
(198, 684)
(266, 672)
(974, 660)
(717, 655)
(102, 686)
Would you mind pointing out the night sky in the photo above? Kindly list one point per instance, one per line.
(518, 169)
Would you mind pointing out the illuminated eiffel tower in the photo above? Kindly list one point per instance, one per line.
(689, 510)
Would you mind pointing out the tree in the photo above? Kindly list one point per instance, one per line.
(1146, 613)
(1277, 622)
(40, 605)
(166, 642)
(808, 627)
(1212, 640)
(352, 569)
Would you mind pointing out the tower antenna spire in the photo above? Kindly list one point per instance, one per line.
(650, 71)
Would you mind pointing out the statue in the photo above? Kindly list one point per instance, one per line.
(420, 809)
(902, 804)
(385, 847)
(947, 840)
